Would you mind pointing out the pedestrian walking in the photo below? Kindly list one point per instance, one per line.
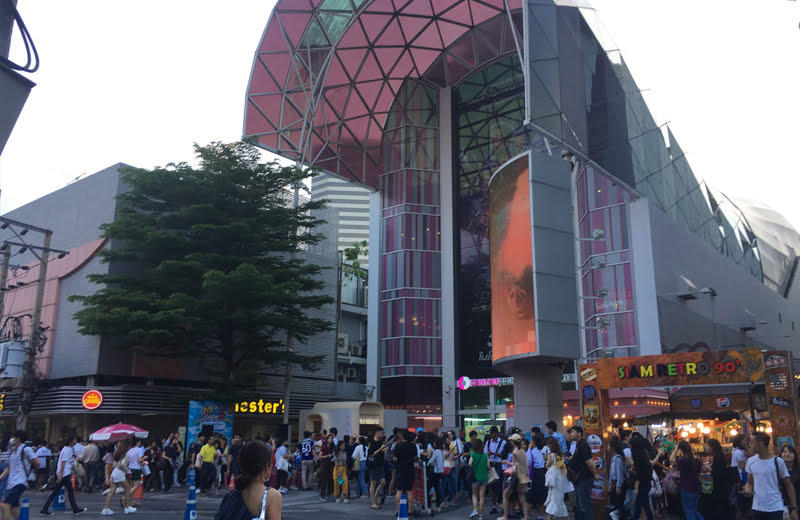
(326, 454)
(360, 467)
(119, 478)
(22, 464)
(617, 480)
(405, 453)
(306, 459)
(282, 456)
(251, 498)
(537, 494)
(689, 468)
(643, 472)
(376, 465)
(716, 485)
(341, 484)
(479, 465)
(93, 466)
(66, 461)
(789, 456)
(207, 455)
(555, 481)
(436, 464)
(495, 447)
(767, 479)
(582, 470)
(519, 480)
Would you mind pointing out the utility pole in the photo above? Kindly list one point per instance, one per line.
(5, 251)
(29, 367)
(27, 383)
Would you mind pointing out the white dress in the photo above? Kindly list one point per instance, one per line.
(556, 482)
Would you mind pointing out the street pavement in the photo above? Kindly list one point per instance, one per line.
(297, 505)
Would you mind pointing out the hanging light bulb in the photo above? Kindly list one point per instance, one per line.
(734, 433)
(685, 434)
(769, 429)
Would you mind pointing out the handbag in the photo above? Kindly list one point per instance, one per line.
(672, 481)
(198, 461)
(655, 486)
(492, 475)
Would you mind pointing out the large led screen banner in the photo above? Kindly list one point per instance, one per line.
(511, 261)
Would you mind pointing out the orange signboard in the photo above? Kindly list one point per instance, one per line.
(689, 368)
(513, 322)
(92, 399)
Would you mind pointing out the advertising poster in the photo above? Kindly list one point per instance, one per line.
(780, 401)
(511, 261)
(218, 416)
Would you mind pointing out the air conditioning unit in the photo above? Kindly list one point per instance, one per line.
(357, 349)
(12, 357)
(352, 373)
(343, 345)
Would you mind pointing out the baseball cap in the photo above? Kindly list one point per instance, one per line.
(516, 437)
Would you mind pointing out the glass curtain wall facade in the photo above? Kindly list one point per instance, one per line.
(411, 285)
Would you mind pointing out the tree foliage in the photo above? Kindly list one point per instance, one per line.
(352, 266)
(203, 266)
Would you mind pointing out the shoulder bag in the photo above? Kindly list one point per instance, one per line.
(493, 476)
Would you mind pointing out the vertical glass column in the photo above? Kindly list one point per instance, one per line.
(410, 291)
(606, 270)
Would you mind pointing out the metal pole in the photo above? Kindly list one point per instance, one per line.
(5, 251)
(29, 368)
(339, 283)
(287, 380)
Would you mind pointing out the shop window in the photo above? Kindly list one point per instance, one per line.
(475, 398)
(504, 395)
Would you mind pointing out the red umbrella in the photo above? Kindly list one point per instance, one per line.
(117, 432)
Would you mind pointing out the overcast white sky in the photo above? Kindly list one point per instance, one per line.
(140, 81)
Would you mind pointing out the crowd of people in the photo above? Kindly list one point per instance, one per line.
(541, 474)
(128, 464)
(531, 476)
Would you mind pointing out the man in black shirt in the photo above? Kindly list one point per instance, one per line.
(376, 462)
(581, 468)
(405, 453)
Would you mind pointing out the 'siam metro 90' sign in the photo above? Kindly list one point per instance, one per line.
(716, 367)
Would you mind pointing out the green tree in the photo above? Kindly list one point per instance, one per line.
(351, 265)
(204, 268)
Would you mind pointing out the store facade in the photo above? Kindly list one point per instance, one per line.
(628, 252)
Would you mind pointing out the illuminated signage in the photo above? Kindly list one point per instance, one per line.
(464, 382)
(260, 406)
(369, 420)
(92, 400)
(689, 368)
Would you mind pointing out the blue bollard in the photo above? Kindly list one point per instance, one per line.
(191, 505)
(402, 514)
(59, 504)
(24, 513)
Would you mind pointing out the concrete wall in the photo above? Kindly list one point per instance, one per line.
(74, 213)
(717, 320)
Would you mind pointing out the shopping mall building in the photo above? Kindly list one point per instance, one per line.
(527, 209)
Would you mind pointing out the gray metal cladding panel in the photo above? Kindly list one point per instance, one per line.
(553, 252)
(558, 340)
(551, 170)
(555, 298)
(552, 208)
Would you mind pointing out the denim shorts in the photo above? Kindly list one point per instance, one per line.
(13, 495)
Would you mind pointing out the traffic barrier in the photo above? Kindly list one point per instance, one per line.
(140, 490)
(419, 494)
(230, 484)
(191, 505)
(24, 513)
(59, 504)
(402, 513)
